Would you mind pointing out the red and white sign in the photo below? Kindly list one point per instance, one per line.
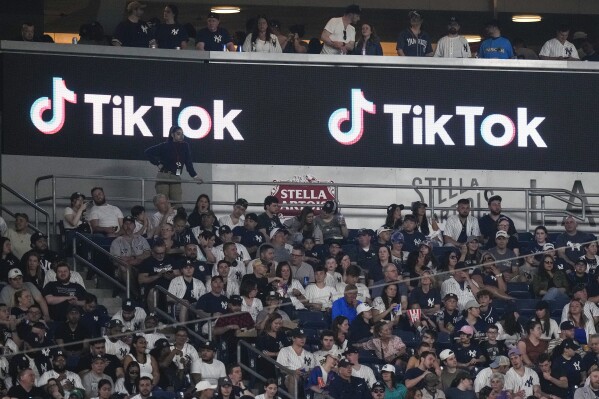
(302, 195)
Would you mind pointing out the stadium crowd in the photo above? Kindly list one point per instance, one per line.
(475, 310)
(341, 35)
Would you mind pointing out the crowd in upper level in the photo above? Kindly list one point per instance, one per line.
(341, 35)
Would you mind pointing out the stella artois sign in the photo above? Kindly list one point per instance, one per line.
(302, 194)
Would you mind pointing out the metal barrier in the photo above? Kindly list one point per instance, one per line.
(27, 202)
(242, 344)
(432, 194)
(168, 317)
(189, 309)
(77, 258)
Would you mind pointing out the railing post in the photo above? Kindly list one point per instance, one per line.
(74, 252)
(128, 284)
(54, 204)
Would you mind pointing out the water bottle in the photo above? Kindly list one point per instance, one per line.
(75, 41)
(224, 47)
(363, 50)
(239, 48)
(306, 281)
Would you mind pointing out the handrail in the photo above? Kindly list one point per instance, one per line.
(182, 303)
(430, 193)
(76, 258)
(35, 207)
(269, 360)
(165, 315)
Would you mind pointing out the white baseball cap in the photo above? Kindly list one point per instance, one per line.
(203, 385)
(446, 354)
(363, 308)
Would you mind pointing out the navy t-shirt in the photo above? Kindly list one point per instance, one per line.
(211, 303)
(412, 240)
(133, 34)
(170, 36)
(465, 354)
(248, 238)
(213, 41)
(425, 300)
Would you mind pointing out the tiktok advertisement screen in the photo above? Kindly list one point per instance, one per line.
(96, 107)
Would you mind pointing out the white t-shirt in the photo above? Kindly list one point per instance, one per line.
(336, 28)
(364, 372)
(227, 221)
(324, 295)
(191, 353)
(118, 348)
(107, 215)
(213, 371)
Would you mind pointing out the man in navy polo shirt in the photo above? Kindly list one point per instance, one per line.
(213, 37)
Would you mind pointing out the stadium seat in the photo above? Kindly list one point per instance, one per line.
(312, 336)
(525, 236)
(527, 307)
(438, 252)
(369, 357)
(517, 287)
(408, 338)
(499, 304)
(314, 320)
(557, 307)
(521, 295)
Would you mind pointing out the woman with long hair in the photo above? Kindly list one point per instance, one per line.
(393, 388)
(376, 271)
(584, 326)
(340, 327)
(509, 329)
(471, 253)
(250, 303)
(388, 347)
(343, 263)
(394, 219)
(271, 387)
(541, 236)
(33, 271)
(385, 307)
(202, 206)
(550, 283)
(137, 353)
(430, 228)
(128, 383)
(290, 288)
(369, 42)
(74, 215)
(269, 342)
(302, 226)
(420, 260)
(449, 260)
(549, 327)
(414, 393)
(262, 39)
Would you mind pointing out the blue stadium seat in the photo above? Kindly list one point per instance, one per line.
(557, 307)
(312, 336)
(438, 252)
(521, 295)
(408, 338)
(499, 304)
(552, 237)
(369, 357)
(352, 235)
(517, 287)
(526, 307)
(314, 320)
(525, 236)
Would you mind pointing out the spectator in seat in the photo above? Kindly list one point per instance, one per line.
(113, 341)
(412, 237)
(19, 237)
(61, 293)
(97, 347)
(248, 235)
(339, 35)
(549, 283)
(131, 316)
(104, 218)
(71, 336)
(559, 48)
(133, 32)
(303, 226)
(461, 226)
(234, 321)
(130, 250)
(171, 34)
(211, 369)
(68, 379)
(213, 37)
(137, 353)
(158, 269)
(369, 43)
(414, 377)
(236, 218)
(488, 222)
(187, 288)
(92, 379)
(413, 41)
(8, 260)
(26, 386)
(269, 219)
(346, 385)
(39, 245)
(15, 283)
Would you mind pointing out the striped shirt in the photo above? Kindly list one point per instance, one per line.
(514, 382)
(452, 286)
(288, 358)
(555, 48)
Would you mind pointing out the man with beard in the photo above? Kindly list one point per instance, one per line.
(190, 255)
(39, 245)
(488, 223)
(210, 368)
(66, 378)
(104, 218)
(453, 45)
(132, 317)
(158, 269)
(592, 390)
(130, 250)
(112, 341)
(61, 293)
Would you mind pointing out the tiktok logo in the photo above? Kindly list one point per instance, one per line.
(359, 105)
(57, 105)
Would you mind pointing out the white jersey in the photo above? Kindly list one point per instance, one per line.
(118, 348)
(324, 295)
(151, 339)
(554, 48)
(236, 271)
(452, 286)
(136, 323)
(364, 372)
(514, 382)
(452, 47)
(227, 221)
(213, 371)
(288, 358)
(244, 256)
(483, 379)
(70, 376)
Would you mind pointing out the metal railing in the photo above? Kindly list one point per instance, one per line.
(168, 317)
(288, 372)
(434, 195)
(189, 309)
(78, 237)
(37, 209)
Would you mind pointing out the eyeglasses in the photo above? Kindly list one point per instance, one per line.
(548, 262)
(378, 390)
(344, 35)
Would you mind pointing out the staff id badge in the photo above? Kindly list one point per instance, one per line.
(179, 169)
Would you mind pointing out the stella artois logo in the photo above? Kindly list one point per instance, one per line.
(302, 194)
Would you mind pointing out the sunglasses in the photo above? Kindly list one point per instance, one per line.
(378, 390)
